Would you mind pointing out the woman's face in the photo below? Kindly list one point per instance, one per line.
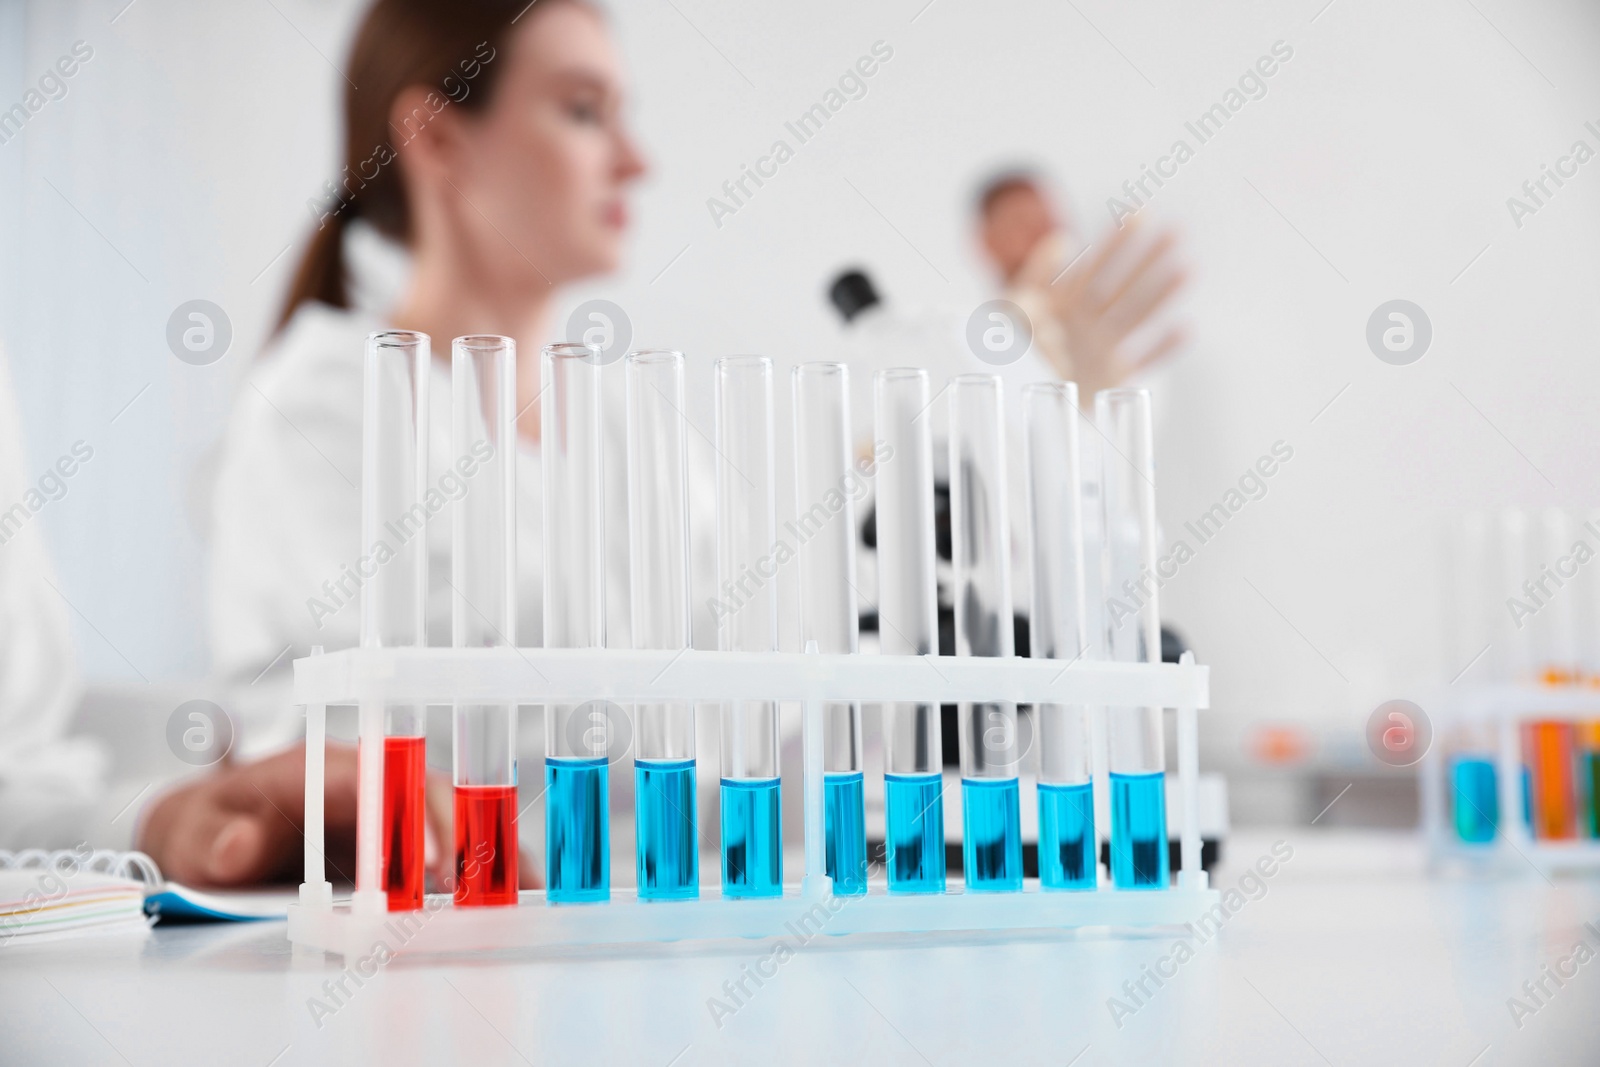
(1017, 220)
(547, 164)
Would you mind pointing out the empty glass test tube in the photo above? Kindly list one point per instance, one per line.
(577, 736)
(483, 564)
(747, 621)
(1057, 630)
(991, 833)
(826, 484)
(1556, 625)
(666, 840)
(394, 480)
(1137, 756)
(908, 625)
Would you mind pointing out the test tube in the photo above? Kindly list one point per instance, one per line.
(1589, 774)
(747, 621)
(1137, 758)
(1470, 745)
(1589, 675)
(908, 625)
(1554, 568)
(991, 832)
(394, 480)
(577, 741)
(826, 485)
(1514, 654)
(1474, 783)
(666, 841)
(1057, 630)
(483, 565)
(1552, 759)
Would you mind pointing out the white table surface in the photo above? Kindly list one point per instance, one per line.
(1352, 955)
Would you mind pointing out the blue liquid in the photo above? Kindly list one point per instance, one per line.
(915, 838)
(991, 834)
(1066, 836)
(667, 847)
(752, 838)
(846, 819)
(1527, 796)
(1139, 831)
(577, 829)
(1477, 807)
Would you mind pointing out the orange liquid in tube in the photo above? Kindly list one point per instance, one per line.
(1549, 748)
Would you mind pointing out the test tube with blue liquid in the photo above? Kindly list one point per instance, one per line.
(1474, 593)
(394, 482)
(1137, 756)
(1058, 630)
(991, 832)
(577, 737)
(1474, 784)
(483, 565)
(666, 839)
(908, 625)
(752, 813)
(826, 484)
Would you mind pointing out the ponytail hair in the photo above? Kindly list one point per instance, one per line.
(455, 50)
(321, 273)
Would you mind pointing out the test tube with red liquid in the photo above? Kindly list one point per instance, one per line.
(393, 600)
(483, 611)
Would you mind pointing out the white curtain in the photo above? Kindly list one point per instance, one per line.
(173, 164)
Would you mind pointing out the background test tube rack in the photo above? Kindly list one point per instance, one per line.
(368, 677)
(1504, 709)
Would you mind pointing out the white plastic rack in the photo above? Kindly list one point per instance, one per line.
(370, 677)
(1503, 709)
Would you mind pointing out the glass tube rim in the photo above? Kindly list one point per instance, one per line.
(825, 367)
(573, 350)
(744, 362)
(901, 374)
(1064, 389)
(988, 381)
(483, 342)
(397, 340)
(652, 357)
(1122, 394)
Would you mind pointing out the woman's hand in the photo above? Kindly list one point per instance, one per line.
(243, 824)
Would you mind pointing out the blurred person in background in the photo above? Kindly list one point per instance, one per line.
(1097, 315)
(1096, 312)
(485, 152)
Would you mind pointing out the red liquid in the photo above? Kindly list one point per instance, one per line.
(405, 768)
(486, 845)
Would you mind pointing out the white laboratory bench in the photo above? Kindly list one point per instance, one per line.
(1350, 955)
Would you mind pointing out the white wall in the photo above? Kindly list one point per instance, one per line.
(1386, 146)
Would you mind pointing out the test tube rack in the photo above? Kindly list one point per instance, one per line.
(1504, 709)
(370, 677)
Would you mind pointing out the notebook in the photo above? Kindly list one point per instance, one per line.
(52, 895)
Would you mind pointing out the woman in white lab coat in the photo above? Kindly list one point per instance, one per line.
(486, 141)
